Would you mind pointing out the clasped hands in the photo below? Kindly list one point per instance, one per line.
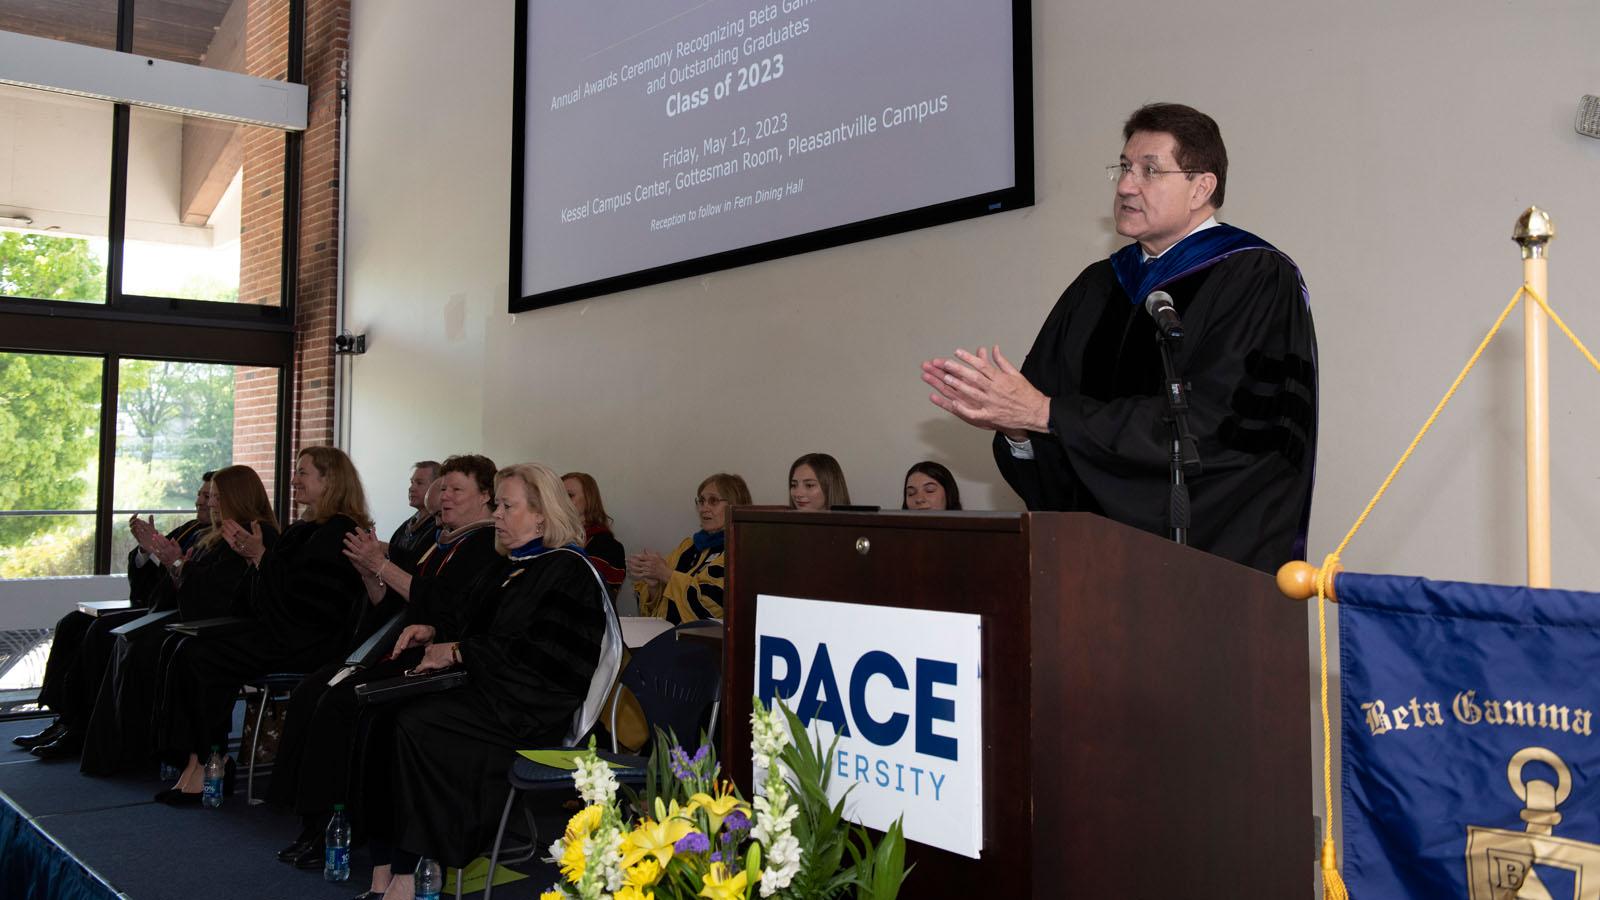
(436, 657)
(648, 565)
(987, 391)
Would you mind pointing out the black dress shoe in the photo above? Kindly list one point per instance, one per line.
(68, 746)
(312, 857)
(289, 853)
(369, 895)
(52, 731)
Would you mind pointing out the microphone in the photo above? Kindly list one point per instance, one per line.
(1159, 306)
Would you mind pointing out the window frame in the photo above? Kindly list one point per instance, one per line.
(181, 330)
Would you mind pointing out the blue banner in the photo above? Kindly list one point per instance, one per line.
(1471, 765)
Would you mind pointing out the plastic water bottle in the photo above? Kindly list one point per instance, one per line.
(336, 841)
(429, 880)
(211, 794)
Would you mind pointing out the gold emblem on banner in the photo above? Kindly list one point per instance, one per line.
(1501, 864)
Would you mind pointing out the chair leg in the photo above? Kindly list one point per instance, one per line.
(255, 743)
(499, 836)
(458, 883)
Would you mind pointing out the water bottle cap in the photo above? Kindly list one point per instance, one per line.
(338, 807)
(215, 748)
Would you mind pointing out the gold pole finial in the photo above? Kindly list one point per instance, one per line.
(1533, 231)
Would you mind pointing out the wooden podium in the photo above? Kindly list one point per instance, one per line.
(1146, 718)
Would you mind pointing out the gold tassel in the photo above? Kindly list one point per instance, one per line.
(1332, 884)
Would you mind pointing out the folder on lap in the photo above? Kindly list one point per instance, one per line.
(409, 686)
(97, 608)
(146, 621)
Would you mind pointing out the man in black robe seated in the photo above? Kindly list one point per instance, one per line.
(1083, 425)
(81, 645)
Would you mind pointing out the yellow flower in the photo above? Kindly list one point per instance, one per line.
(630, 892)
(663, 813)
(583, 824)
(572, 862)
(653, 839)
(646, 873)
(551, 895)
(718, 886)
(719, 806)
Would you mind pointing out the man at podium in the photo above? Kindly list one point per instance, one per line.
(1084, 424)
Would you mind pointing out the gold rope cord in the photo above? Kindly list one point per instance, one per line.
(1332, 884)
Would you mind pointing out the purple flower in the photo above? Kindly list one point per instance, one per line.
(693, 842)
(736, 821)
(680, 763)
(717, 856)
(700, 756)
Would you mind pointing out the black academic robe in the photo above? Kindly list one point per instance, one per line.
(1249, 354)
(82, 644)
(412, 539)
(608, 557)
(452, 583)
(530, 664)
(120, 734)
(304, 600)
(317, 761)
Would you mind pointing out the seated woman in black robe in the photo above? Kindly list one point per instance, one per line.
(317, 760)
(687, 585)
(542, 628)
(602, 547)
(81, 644)
(304, 599)
(210, 580)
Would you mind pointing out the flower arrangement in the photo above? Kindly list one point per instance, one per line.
(690, 834)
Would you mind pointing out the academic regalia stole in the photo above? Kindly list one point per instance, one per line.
(1200, 250)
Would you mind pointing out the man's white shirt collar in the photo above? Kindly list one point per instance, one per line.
(1210, 222)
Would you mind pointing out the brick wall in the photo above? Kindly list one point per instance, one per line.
(261, 238)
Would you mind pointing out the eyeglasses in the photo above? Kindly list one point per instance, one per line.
(709, 501)
(1142, 174)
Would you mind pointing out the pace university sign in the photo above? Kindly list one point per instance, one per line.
(900, 688)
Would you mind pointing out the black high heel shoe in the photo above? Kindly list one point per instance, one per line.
(177, 797)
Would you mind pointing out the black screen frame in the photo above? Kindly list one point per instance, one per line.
(1018, 196)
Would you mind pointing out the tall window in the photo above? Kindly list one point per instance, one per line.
(146, 284)
(49, 462)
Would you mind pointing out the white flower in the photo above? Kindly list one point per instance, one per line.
(772, 820)
(594, 780)
(783, 863)
(603, 875)
(769, 734)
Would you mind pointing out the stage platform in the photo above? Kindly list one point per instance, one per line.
(65, 835)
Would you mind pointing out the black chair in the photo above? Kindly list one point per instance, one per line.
(273, 688)
(678, 683)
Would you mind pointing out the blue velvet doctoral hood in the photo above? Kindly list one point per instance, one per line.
(1199, 250)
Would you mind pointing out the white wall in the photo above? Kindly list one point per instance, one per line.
(1387, 147)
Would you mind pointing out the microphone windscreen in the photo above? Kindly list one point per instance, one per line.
(1157, 300)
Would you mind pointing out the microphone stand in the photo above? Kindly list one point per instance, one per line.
(1185, 452)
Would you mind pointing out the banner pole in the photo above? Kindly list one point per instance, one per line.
(1532, 233)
